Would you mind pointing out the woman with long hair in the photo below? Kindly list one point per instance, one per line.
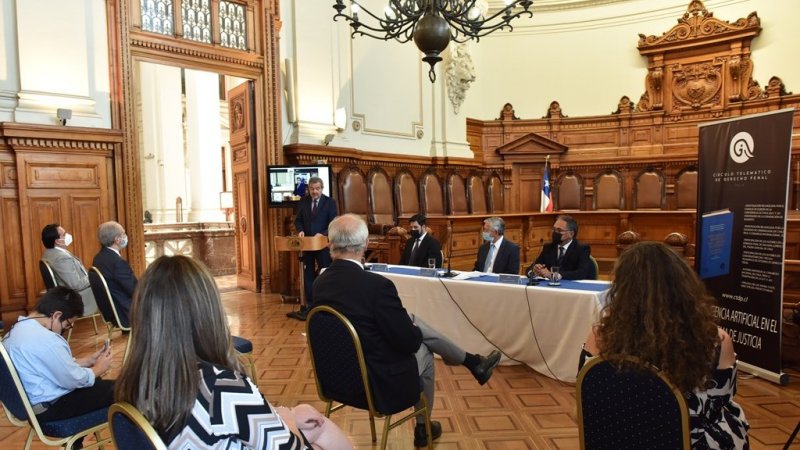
(183, 374)
(658, 310)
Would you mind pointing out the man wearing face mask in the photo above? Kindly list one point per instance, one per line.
(421, 246)
(117, 272)
(67, 268)
(497, 254)
(58, 385)
(566, 252)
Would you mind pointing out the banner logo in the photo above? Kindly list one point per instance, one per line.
(741, 148)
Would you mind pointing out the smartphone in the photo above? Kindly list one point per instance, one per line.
(106, 344)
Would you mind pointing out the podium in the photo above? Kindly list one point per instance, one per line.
(299, 244)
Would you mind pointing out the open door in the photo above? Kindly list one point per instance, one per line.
(245, 183)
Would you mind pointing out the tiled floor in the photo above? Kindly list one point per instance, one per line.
(517, 409)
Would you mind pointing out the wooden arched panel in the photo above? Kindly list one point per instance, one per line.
(456, 195)
(353, 192)
(569, 192)
(381, 202)
(686, 188)
(476, 194)
(406, 194)
(430, 190)
(609, 191)
(496, 204)
(649, 190)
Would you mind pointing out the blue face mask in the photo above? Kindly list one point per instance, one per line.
(487, 236)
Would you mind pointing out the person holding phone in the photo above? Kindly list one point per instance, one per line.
(58, 385)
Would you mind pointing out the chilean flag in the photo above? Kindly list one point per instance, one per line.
(547, 198)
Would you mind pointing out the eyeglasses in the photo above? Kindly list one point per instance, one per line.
(70, 324)
(559, 230)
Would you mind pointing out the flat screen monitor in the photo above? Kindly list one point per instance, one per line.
(288, 184)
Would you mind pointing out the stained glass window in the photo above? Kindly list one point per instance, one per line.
(197, 20)
(232, 25)
(157, 16)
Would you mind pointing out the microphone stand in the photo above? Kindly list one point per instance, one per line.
(449, 273)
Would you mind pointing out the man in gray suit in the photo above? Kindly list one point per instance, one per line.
(68, 269)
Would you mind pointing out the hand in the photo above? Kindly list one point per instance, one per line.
(300, 234)
(318, 234)
(540, 270)
(90, 360)
(102, 363)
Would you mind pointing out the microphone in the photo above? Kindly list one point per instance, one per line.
(449, 273)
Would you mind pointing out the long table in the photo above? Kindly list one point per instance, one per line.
(541, 326)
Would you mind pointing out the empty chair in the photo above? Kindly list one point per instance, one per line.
(431, 194)
(649, 190)
(107, 307)
(381, 200)
(456, 195)
(62, 433)
(495, 194)
(609, 191)
(569, 192)
(631, 409)
(406, 194)
(341, 372)
(476, 193)
(130, 430)
(596, 268)
(686, 189)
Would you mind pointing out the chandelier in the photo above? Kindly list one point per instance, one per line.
(431, 23)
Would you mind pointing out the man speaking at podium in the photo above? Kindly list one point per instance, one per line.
(314, 213)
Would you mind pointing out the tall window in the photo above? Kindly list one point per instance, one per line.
(232, 29)
(197, 20)
(157, 16)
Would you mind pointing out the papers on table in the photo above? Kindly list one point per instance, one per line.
(468, 275)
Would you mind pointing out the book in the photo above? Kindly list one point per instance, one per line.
(716, 234)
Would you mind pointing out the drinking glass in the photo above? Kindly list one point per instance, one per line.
(555, 277)
(431, 263)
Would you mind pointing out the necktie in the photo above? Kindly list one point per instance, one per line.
(560, 253)
(489, 260)
(314, 207)
(413, 251)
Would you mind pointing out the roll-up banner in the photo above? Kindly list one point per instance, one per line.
(743, 180)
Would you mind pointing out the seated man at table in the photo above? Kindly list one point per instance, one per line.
(421, 246)
(394, 342)
(566, 252)
(497, 254)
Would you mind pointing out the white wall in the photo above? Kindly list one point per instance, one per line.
(550, 57)
(55, 55)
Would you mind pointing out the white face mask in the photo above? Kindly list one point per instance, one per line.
(123, 241)
(67, 239)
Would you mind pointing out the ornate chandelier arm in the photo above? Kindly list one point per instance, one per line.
(400, 26)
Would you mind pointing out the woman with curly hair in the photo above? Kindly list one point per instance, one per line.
(658, 310)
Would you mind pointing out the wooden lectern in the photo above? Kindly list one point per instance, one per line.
(300, 244)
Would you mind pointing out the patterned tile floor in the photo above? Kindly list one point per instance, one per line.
(517, 409)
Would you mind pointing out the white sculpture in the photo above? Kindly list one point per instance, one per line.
(459, 73)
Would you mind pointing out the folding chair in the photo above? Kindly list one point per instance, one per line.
(53, 433)
(341, 372)
(130, 430)
(630, 409)
(107, 307)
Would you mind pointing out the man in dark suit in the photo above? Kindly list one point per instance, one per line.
(497, 254)
(117, 272)
(421, 246)
(314, 213)
(566, 252)
(394, 343)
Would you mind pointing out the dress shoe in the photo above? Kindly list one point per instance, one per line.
(421, 437)
(300, 314)
(483, 371)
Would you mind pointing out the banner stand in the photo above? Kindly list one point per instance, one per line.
(779, 378)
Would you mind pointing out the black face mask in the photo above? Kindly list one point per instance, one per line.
(415, 234)
(556, 237)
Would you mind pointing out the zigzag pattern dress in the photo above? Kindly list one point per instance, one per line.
(230, 413)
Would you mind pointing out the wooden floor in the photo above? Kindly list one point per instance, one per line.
(517, 409)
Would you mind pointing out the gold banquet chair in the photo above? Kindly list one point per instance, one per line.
(341, 372)
(106, 304)
(49, 279)
(131, 430)
(61, 433)
(633, 408)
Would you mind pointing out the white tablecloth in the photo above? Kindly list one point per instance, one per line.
(543, 327)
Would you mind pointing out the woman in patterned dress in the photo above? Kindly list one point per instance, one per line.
(185, 377)
(658, 310)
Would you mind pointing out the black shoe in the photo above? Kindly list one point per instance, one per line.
(421, 437)
(483, 371)
(300, 314)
